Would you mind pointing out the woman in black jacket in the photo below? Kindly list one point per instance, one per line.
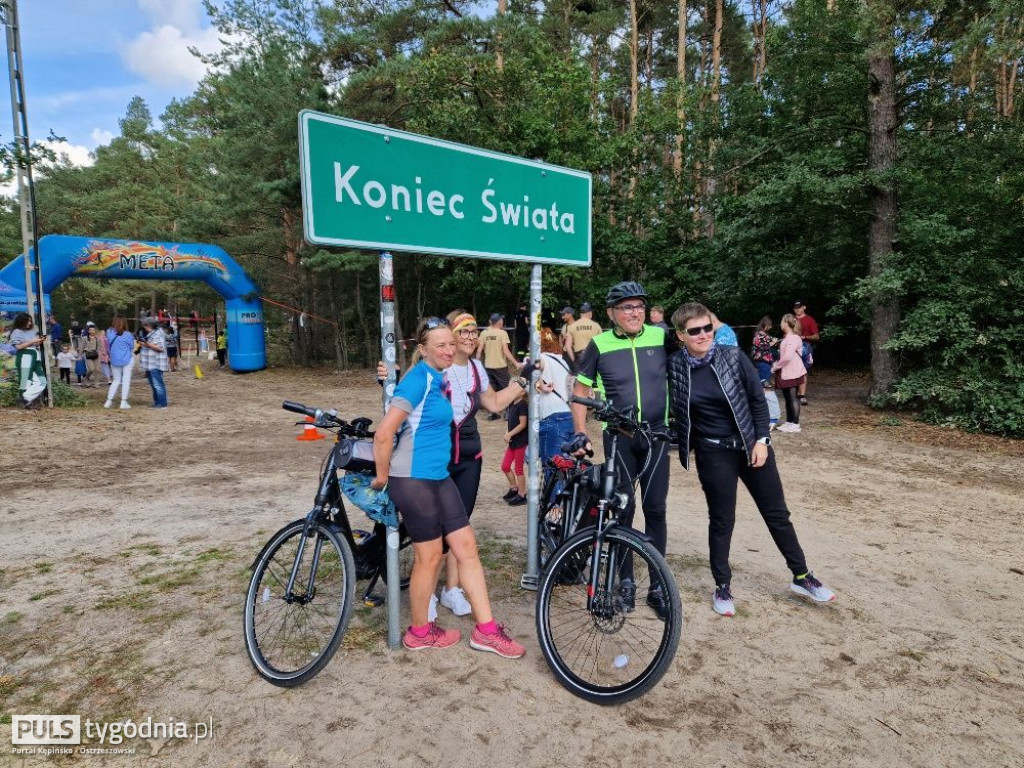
(721, 413)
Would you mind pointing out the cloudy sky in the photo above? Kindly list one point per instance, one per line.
(84, 60)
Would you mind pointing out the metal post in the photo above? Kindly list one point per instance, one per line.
(26, 192)
(387, 354)
(531, 577)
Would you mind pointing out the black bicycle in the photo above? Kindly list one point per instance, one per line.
(601, 641)
(567, 501)
(299, 601)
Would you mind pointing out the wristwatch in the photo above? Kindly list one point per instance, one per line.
(522, 382)
(764, 440)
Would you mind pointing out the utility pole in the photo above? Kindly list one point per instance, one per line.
(26, 190)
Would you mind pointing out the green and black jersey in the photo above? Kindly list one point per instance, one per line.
(630, 370)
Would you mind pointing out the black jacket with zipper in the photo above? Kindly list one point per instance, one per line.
(742, 387)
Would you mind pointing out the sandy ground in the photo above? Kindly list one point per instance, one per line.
(126, 538)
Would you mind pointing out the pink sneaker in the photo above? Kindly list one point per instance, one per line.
(435, 638)
(499, 642)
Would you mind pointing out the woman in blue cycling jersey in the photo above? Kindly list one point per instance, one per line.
(416, 473)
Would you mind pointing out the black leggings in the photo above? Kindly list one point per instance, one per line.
(65, 375)
(719, 470)
(430, 508)
(466, 476)
(792, 404)
(633, 454)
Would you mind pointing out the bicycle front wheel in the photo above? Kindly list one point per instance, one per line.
(290, 638)
(615, 646)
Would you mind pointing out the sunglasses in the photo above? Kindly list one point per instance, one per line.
(698, 330)
(435, 322)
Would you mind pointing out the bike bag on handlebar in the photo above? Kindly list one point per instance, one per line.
(354, 455)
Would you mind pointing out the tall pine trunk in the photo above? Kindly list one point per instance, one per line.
(882, 122)
(681, 78)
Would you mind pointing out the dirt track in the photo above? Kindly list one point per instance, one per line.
(126, 538)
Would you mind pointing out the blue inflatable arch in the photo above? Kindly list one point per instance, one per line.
(62, 257)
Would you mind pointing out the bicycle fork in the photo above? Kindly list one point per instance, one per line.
(311, 583)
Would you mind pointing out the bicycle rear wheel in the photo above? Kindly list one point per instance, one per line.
(609, 650)
(289, 640)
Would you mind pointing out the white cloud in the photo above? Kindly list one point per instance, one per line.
(75, 154)
(183, 14)
(162, 56)
(101, 136)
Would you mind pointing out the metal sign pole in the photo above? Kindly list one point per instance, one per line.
(34, 299)
(387, 350)
(531, 577)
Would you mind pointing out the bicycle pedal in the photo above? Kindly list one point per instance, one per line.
(373, 601)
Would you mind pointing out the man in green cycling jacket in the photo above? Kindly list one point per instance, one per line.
(627, 364)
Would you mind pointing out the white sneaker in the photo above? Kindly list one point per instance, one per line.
(722, 601)
(455, 599)
(107, 404)
(432, 609)
(125, 406)
(810, 587)
(794, 428)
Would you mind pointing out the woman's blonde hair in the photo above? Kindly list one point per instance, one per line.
(426, 325)
(790, 320)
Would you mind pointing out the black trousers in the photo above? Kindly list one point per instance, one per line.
(633, 454)
(719, 470)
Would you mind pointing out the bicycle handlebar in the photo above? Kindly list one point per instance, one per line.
(357, 428)
(621, 419)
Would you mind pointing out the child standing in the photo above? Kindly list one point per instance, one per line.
(774, 411)
(65, 361)
(515, 455)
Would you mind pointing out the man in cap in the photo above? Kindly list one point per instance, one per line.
(493, 349)
(153, 360)
(810, 333)
(579, 334)
(629, 364)
(568, 318)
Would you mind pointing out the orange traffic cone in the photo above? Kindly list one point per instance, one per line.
(309, 431)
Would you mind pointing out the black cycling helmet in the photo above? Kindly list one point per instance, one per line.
(627, 289)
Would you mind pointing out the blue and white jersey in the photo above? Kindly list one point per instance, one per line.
(425, 442)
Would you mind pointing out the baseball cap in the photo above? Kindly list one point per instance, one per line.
(568, 311)
(90, 323)
(797, 303)
(496, 317)
(585, 307)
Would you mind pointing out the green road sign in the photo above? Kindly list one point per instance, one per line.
(367, 186)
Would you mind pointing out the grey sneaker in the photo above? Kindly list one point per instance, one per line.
(722, 601)
(808, 586)
(627, 595)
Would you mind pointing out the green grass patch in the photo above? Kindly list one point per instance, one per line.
(13, 617)
(43, 567)
(44, 594)
(136, 600)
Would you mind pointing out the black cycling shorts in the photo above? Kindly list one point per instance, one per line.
(430, 508)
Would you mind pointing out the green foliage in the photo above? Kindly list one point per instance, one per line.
(740, 188)
(64, 396)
